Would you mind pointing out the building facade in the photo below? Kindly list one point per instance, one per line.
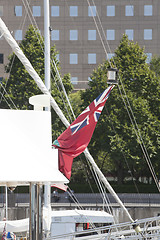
(85, 32)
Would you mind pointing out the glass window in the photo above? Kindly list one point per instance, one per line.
(1, 58)
(74, 80)
(1, 79)
(36, 11)
(147, 10)
(73, 35)
(73, 11)
(73, 58)
(110, 55)
(18, 34)
(1, 10)
(18, 11)
(55, 11)
(110, 34)
(110, 11)
(129, 10)
(91, 11)
(55, 35)
(130, 34)
(149, 57)
(91, 58)
(147, 34)
(91, 34)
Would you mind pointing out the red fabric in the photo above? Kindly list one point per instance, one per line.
(74, 140)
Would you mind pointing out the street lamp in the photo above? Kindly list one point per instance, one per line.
(112, 76)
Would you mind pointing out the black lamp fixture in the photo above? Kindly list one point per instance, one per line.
(112, 75)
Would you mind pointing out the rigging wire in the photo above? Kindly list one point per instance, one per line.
(53, 63)
(144, 150)
(21, 26)
(2, 96)
(100, 188)
(108, 60)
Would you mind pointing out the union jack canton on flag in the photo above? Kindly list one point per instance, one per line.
(73, 141)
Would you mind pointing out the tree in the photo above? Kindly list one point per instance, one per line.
(115, 141)
(20, 86)
(155, 65)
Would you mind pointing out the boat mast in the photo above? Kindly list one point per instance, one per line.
(47, 190)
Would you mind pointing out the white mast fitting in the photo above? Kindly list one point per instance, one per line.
(41, 85)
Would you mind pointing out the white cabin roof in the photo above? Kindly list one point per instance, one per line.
(81, 216)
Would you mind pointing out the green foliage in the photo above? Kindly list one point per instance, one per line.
(115, 141)
(83, 187)
(76, 102)
(155, 65)
(20, 86)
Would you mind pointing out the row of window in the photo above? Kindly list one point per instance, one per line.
(73, 11)
(92, 34)
(73, 57)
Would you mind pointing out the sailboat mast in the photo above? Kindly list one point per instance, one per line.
(47, 190)
(47, 44)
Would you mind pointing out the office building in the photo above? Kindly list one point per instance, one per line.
(85, 32)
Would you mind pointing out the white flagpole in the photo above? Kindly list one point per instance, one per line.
(47, 187)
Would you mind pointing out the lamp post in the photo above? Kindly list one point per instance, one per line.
(112, 76)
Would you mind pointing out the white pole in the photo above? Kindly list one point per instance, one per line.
(6, 203)
(47, 44)
(47, 187)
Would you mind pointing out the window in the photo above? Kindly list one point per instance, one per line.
(129, 10)
(73, 11)
(147, 34)
(110, 11)
(73, 58)
(110, 34)
(1, 11)
(91, 58)
(1, 58)
(130, 33)
(18, 11)
(149, 57)
(36, 11)
(55, 11)
(91, 11)
(110, 55)
(147, 10)
(73, 35)
(55, 35)
(74, 80)
(18, 34)
(91, 34)
(89, 79)
(1, 79)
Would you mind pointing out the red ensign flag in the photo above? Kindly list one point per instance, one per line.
(73, 141)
